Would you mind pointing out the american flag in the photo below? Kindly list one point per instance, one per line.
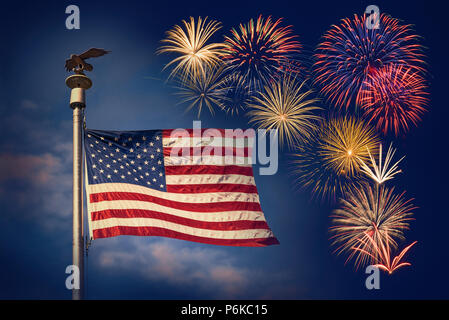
(142, 183)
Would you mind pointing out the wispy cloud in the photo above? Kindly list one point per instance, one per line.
(27, 104)
(36, 185)
(210, 271)
(38, 170)
(35, 168)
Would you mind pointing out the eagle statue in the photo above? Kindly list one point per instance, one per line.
(77, 64)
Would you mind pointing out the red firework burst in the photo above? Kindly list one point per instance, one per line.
(393, 98)
(350, 52)
(260, 50)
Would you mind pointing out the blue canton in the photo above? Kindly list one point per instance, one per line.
(134, 157)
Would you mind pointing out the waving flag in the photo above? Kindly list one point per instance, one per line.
(171, 183)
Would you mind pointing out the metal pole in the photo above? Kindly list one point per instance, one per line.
(78, 234)
(78, 83)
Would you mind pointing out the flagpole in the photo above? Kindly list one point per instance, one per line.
(78, 83)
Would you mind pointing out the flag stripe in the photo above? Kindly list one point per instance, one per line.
(208, 150)
(236, 134)
(212, 225)
(207, 160)
(196, 207)
(206, 216)
(220, 170)
(209, 179)
(208, 188)
(161, 232)
(188, 142)
(206, 233)
(218, 196)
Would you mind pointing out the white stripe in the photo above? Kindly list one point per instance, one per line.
(209, 179)
(207, 160)
(214, 234)
(211, 197)
(213, 142)
(220, 216)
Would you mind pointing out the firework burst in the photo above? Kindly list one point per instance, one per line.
(330, 163)
(311, 172)
(381, 172)
(189, 43)
(389, 265)
(261, 50)
(350, 52)
(346, 145)
(383, 255)
(236, 94)
(370, 221)
(286, 106)
(204, 89)
(393, 98)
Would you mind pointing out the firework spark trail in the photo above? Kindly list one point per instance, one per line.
(383, 256)
(285, 105)
(261, 50)
(350, 52)
(393, 97)
(190, 44)
(383, 171)
(369, 219)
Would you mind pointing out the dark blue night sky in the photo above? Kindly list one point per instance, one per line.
(130, 93)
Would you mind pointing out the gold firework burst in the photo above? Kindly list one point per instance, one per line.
(370, 217)
(347, 144)
(190, 44)
(285, 105)
(312, 172)
(330, 161)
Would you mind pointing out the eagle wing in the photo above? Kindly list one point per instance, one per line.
(69, 64)
(93, 53)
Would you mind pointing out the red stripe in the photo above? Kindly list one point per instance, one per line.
(207, 151)
(223, 132)
(138, 213)
(209, 169)
(195, 207)
(161, 232)
(205, 188)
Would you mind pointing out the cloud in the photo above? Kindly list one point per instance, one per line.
(37, 169)
(27, 104)
(37, 185)
(36, 172)
(211, 271)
